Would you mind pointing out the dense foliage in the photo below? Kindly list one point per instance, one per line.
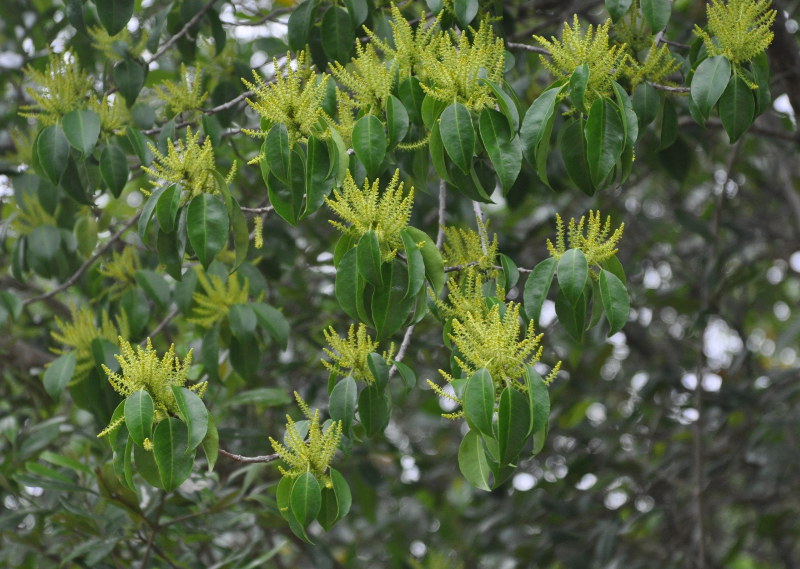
(454, 283)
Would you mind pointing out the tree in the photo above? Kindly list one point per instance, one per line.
(220, 214)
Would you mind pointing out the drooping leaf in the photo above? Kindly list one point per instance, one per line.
(479, 400)
(369, 143)
(536, 288)
(472, 461)
(114, 168)
(513, 424)
(114, 14)
(58, 374)
(615, 300)
(207, 227)
(709, 82)
(170, 440)
(502, 146)
(458, 135)
(605, 139)
(139, 413)
(342, 402)
(369, 258)
(194, 414)
(81, 127)
(573, 272)
(52, 150)
(656, 13)
(338, 35)
(737, 108)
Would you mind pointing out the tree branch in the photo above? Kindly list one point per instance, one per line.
(249, 459)
(182, 32)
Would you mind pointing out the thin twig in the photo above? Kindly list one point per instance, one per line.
(182, 32)
(86, 264)
(401, 353)
(250, 459)
(527, 47)
(476, 207)
(257, 210)
(669, 88)
(442, 204)
(163, 324)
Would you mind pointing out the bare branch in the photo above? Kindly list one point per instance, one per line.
(182, 32)
(249, 459)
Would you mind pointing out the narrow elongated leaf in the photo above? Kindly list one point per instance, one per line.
(194, 414)
(139, 413)
(412, 95)
(58, 374)
(210, 443)
(465, 11)
(273, 321)
(458, 135)
(605, 139)
(617, 8)
(346, 286)
(170, 440)
(320, 175)
(306, 498)
(154, 285)
(299, 24)
(536, 121)
(139, 143)
(167, 208)
(81, 127)
(242, 320)
(369, 258)
(578, 82)
(147, 212)
(129, 75)
(646, 103)
(502, 146)
(277, 152)
(539, 399)
(737, 107)
(479, 401)
(390, 303)
(615, 300)
(472, 461)
(396, 120)
(338, 35)
(374, 409)
(342, 403)
(572, 316)
(709, 82)
(415, 263)
(114, 168)
(359, 10)
(52, 150)
(506, 104)
(379, 369)
(342, 491)
(573, 272)
(114, 14)
(207, 225)
(369, 143)
(536, 288)
(573, 147)
(513, 424)
(656, 13)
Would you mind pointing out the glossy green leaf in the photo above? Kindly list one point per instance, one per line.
(436, 149)
(369, 143)
(306, 498)
(465, 11)
(737, 107)
(58, 374)
(617, 8)
(411, 94)
(82, 128)
(573, 272)
(359, 10)
(273, 321)
(369, 258)
(342, 402)
(52, 150)
(379, 369)
(374, 409)
(346, 286)
(502, 146)
(513, 424)
(656, 13)
(536, 121)
(578, 82)
(615, 300)
(129, 75)
(242, 320)
(194, 414)
(479, 398)
(396, 120)
(472, 461)
(338, 35)
(148, 210)
(458, 135)
(434, 265)
(407, 375)
(114, 14)
(114, 168)
(299, 24)
(342, 491)
(210, 443)
(646, 103)
(669, 125)
(572, 316)
(506, 104)
(709, 82)
(170, 440)
(207, 227)
(537, 287)
(539, 399)
(320, 175)
(139, 143)
(415, 263)
(139, 413)
(573, 147)
(277, 152)
(390, 303)
(605, 139)
(155, 286)
(283, 499)
(167, 208)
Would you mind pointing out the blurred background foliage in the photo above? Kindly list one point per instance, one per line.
(674, 443)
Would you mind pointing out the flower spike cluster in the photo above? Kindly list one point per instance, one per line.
(63, 87)
(349, 355)
(189, 164)
(594, 238)
(184, 95)
(313, 455)
(216, 298)
(739, 29)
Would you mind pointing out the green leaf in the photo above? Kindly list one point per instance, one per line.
(709, 82)
(242, 320)
(539, 399)
(369, 143)
(346, 286)
(139, 144)
(262, 396)
(282, 497)
(472, 461)
(646, 103)
(52, 151)
(58, 374)
(278, 153)
(605, 139)
(434, 265)
(207, 227)
(479, 401)
(617, 8)
(114, 168)
(359, 10)
(114, 14)
(170, 440)
(320, 177)
(167, 208)
(513, 424)
(139, 413)
(305, 499)
(299, 24)
(571, 315)
(81, 127)
(615, 300)
(415, 263)
(535, 124)
(273, 321)
(342, 491)
(369, 258)
(147, 211)
(45, 243)
(210, 443)
(129, 75)
(458, 135)
(194, 414)
(506, 104)
(390, 303)
(465, 11)
(155, 286)
(146, 466)
(669, 125)
(737, 107)
(578, 82)
(436, 148)
(656, 13)
(374, 409)
(342, 403)
(407, 375)
(536, 288)
(411, 94)
(396, 120)
(503, 148)
(573, 272)
(338, 35)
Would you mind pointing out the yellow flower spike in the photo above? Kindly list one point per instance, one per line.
(591, 47)
(184, 95)
(594, 238)
(121, 269)
(294, 98)
(141, 368)
(465, 246)
(313, 454)
(188, 163)
(113, 113)
(370, 80)
(107, 44)
(454, 69)
(349, 355)
(62, 87)
(386, 213)
(739, 30)
(31, 214)
(216, 298)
